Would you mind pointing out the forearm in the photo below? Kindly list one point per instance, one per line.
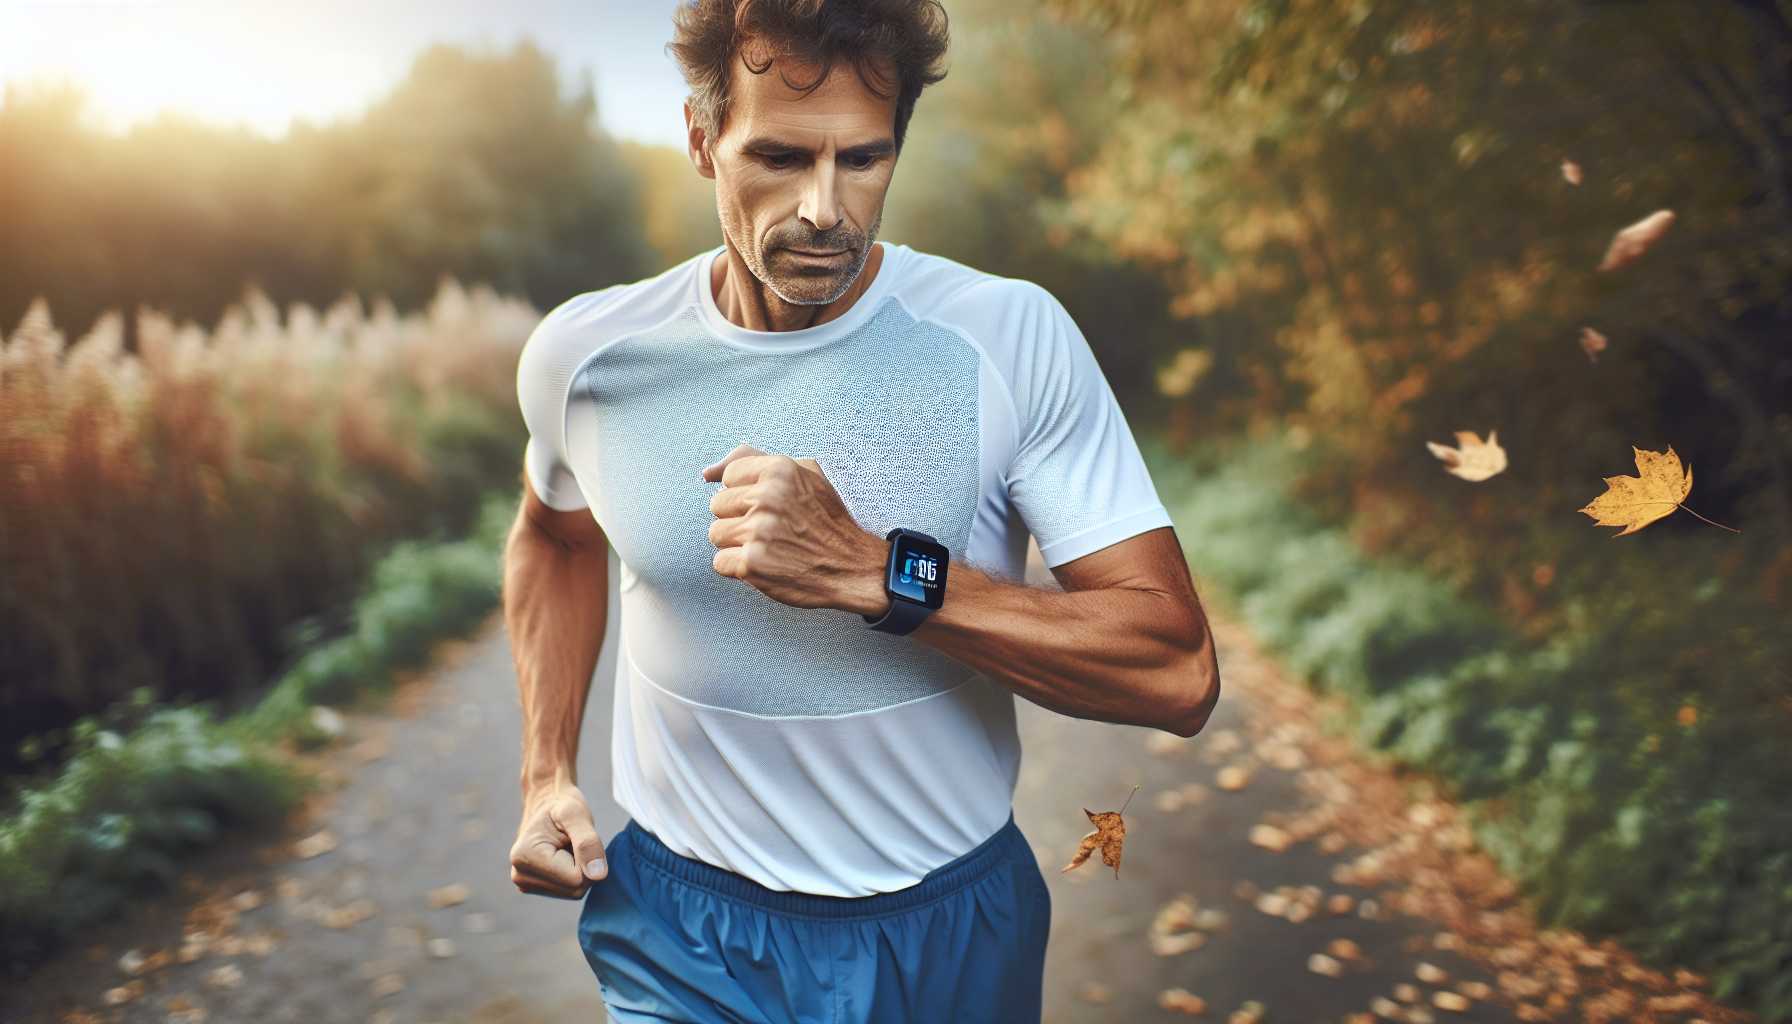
(1114, 654)
(555, 608)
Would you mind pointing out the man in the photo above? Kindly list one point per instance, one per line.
(819, 457)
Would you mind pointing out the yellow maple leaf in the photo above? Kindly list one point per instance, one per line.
(1634, 502)
(1473, 459)
(1109, 834)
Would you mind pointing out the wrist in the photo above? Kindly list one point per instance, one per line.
(865, 594)
(546, 779)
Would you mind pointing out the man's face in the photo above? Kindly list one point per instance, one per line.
(796, 172)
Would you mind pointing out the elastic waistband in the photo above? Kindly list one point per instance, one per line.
(941, 881)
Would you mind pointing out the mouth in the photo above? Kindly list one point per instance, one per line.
(816, 255)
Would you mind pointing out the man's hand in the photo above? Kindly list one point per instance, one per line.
(557, 852)
(782, 528)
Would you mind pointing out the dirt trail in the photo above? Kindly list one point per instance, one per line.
(407, 914)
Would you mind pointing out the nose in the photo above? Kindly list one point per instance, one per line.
(820, 197)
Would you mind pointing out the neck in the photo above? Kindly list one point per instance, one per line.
(749, 304)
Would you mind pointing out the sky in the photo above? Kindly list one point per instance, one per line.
(265, 62)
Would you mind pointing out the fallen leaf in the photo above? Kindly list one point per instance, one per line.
(1449, 1001)
(1473, 459)
(1095, 992)
(1629, 244)
(315, 844)
(1109, 834)
(1181, 999)
(448, 895)
(1269, 837)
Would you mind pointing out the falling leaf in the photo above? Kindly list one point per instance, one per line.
(1248, 1012)
(1319, 963)
(1592, 343)
(1233, 777)
(1109, 834)
(1430, 973)
(1571, 171)
(1629, 244)
(1474, 459)
(1687, 715)
(1344, 949)
(1634, 502)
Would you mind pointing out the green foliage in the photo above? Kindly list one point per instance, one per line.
(122, 810)
(1628, 769)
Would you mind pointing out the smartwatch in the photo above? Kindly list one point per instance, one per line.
(914, 579)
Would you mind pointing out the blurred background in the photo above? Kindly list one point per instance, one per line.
(265, 270)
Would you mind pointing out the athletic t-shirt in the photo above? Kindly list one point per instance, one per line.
(797, 746)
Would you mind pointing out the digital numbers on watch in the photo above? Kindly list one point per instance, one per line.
(918, 570)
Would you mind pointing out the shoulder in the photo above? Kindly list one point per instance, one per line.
(1018, 326)
(1002, 315)
(571, 331)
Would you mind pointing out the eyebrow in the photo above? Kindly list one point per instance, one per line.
(766, 145)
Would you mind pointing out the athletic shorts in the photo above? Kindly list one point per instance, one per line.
(671, 938)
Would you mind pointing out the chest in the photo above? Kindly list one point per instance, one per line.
(890, 413)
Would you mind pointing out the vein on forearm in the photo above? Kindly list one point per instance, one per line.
(555, 605)
(1111, 654)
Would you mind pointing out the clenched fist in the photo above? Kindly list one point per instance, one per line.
(557, 852)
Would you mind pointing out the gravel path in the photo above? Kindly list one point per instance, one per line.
(404, 912)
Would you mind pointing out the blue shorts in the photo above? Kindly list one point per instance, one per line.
(676, 939)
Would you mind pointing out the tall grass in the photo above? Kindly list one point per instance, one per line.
(168, 514)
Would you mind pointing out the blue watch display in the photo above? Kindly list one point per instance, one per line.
(914, 580)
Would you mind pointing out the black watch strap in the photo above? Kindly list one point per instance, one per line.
(901, 618)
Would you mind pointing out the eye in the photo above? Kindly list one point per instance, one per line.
(864, 163)
(778, 162)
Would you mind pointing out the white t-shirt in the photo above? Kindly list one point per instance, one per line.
(798, 746)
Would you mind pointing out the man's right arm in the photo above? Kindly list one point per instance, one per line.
(556, 576)
(556, 592)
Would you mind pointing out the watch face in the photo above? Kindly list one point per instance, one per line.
(918, 570)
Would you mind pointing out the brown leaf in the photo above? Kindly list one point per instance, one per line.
(1634, 502)
(1571, 171)
(1629, 244)
(1474, 459)
(1109, 834)
(1181, 999)
(449, 895)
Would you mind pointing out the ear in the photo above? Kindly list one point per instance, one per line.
(698, 146)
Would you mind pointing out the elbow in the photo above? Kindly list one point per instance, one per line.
(1205, 697)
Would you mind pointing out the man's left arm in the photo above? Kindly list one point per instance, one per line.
(1125, 641)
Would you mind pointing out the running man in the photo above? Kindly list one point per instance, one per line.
(819, 458)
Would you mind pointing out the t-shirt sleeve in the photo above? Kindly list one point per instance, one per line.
(543, 375)
(1077, 476)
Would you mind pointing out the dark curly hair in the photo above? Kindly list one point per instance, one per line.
(909, 34)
